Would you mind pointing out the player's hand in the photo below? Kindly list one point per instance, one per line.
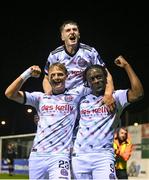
(35, 71)
(120, 61)
(109, 101)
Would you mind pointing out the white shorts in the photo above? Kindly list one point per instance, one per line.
(52, 167)
(94, 166)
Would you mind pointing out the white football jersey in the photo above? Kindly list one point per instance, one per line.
(57, 115)
(75, 64)
(96, 124)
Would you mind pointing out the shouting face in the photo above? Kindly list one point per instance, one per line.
(57, 77)
(70, 34)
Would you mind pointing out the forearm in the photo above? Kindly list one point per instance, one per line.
(12, 92)
(136, 90)
(125, 155)
(109, 86)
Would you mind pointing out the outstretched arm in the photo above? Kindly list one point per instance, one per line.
(136, 91)
(13, 91)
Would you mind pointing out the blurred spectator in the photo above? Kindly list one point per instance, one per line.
(133, 169)
(123, 150)
(36, 119)
(10, 155)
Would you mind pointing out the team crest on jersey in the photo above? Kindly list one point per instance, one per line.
(64, 172)
(68, 98)
(82, 62)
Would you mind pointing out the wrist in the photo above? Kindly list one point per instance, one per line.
(126, 65)
(26, 74)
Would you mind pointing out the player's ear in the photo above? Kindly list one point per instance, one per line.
(62, 37)
(79, 36)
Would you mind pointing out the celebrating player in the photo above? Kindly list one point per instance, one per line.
(76, 57)
(93, 148)
(50, 154)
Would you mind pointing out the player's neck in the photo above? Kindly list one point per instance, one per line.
(98, 93)
(59, 92)
(71, 49)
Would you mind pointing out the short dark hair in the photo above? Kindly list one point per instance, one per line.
(95, 66)
(67, 22)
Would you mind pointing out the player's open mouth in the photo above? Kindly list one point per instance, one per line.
(58, 84)
(72, 38)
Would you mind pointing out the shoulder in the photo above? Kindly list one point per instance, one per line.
(121, 98)
(57, 50)
(86, 99)
(120, 92)
(86, 47)
(34, 94)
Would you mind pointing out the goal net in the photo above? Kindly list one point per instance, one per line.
(22, 144)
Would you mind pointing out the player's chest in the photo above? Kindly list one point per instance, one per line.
(57, 104)
(79, 60)
(93, 109)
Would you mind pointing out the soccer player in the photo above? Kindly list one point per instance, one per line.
(50, 154)
(76, 57)
(93, 148)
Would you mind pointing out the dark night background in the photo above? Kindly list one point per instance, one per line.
(29, 33)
